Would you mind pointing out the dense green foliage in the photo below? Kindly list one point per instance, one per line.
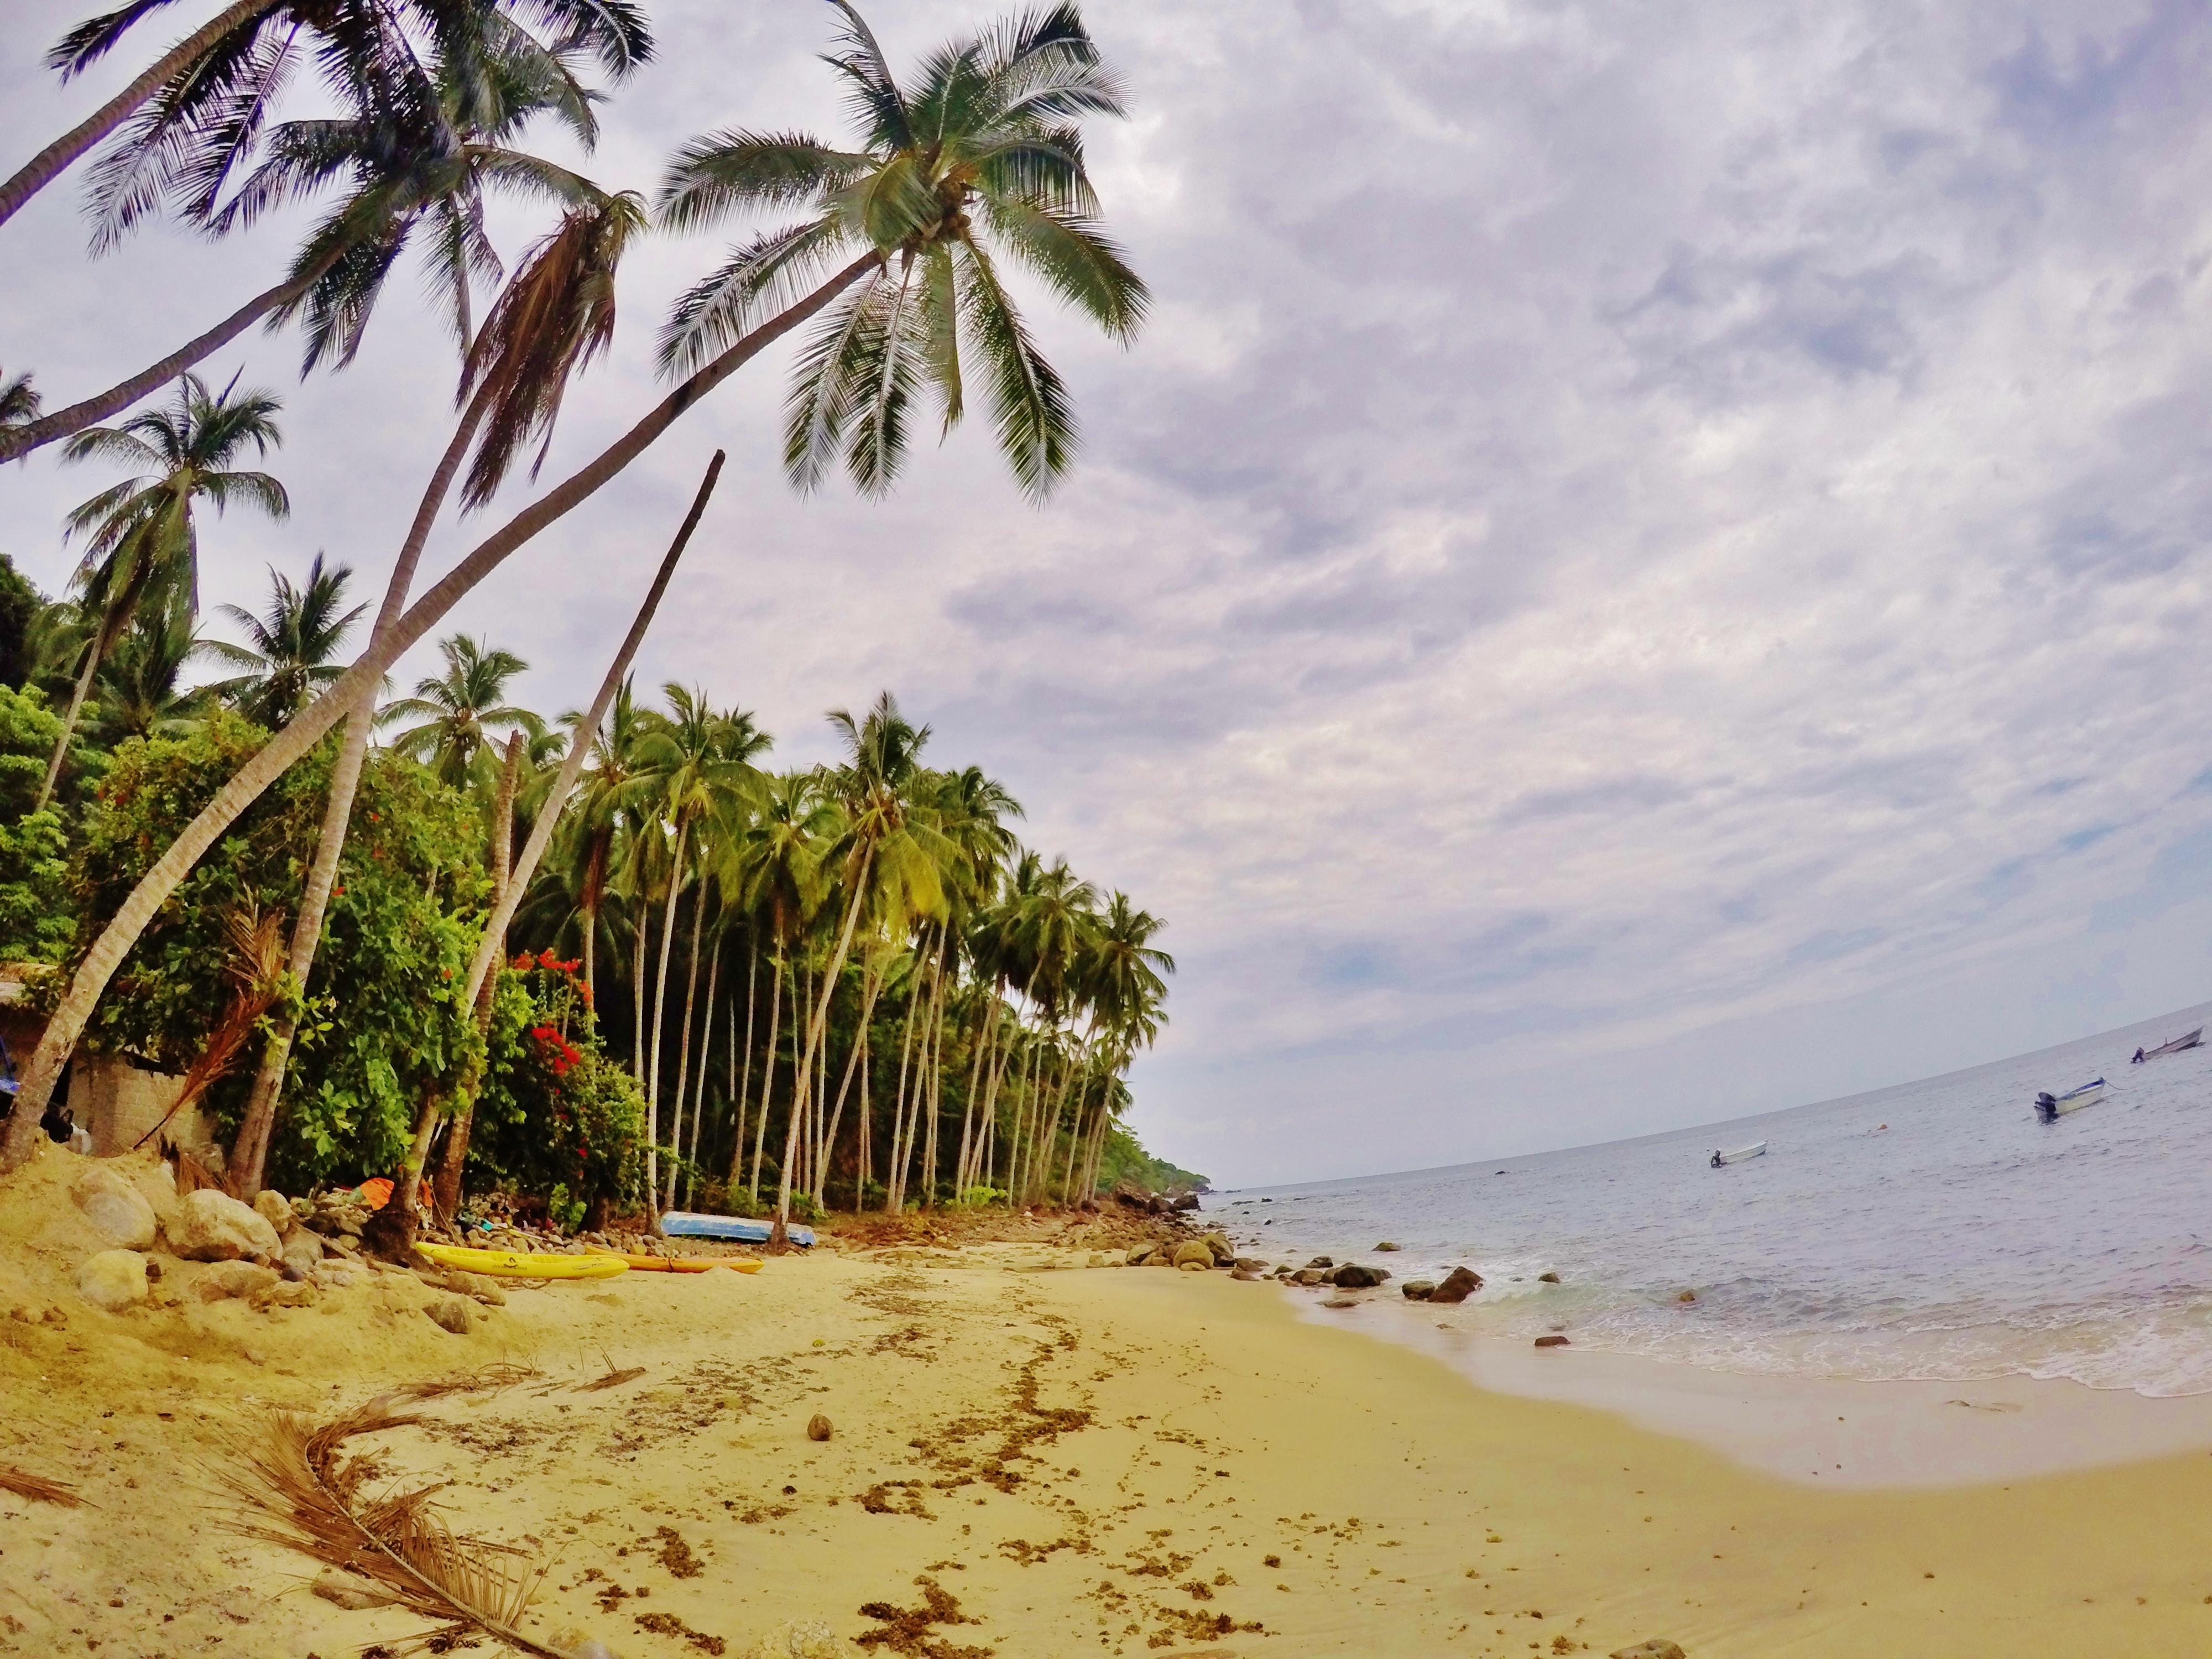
(1126, 1160)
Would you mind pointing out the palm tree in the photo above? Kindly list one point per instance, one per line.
(739, 300)
(144, 543)
(555, 315)
(137, 694)
(977, 164)
(458, 709)
(418, 159)
(293, 645)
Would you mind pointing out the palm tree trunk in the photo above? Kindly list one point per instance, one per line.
(401, 1205)
(767, 1075)
(446, 1190)
(637, 1004)
(660, 1008)
(94, 648)
(870, 986)
(100, 963)
(742, 1088)
(860, 1170)
(814, 1040)
(50, 163)
(706, 1054)
(894, 1189)
(683, 1041)
(19, 440)
(250, 1146)
(591, 934)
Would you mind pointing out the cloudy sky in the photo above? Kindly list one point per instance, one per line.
(1650, 565)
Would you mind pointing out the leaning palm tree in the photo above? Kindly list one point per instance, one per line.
(144, 543)
(458, 709)
(975, 165)
(408, 168)
(293, 645)
(1060, 55)
(202, 102)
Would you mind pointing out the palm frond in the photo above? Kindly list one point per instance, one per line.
(297, 1487)
(1077, 259)
(1030, 405)
(828, 382)
(92, 39)
(872, 91)
(758, 280)
(39, 1488)
(725, 172)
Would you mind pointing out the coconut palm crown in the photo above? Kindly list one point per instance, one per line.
(976, 163)
(458, 709)
(293, 651)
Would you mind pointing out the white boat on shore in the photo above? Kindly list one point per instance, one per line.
(2050, 1107)
(1722, 1159)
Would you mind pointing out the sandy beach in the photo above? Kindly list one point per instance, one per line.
(1028, 1456)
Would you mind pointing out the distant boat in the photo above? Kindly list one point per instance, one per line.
(2193, 1040)
(1757, 1149)
(2050, 1107)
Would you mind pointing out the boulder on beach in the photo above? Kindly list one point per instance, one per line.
(1188, 1201)
(226, 1279)
(1196, 1254)
(1552, 1342)
(303, 1254)
(451, 1313)
(1307, 1276)
(1354, 1276)
(1419, 1289)
(1224, 1251)
(1657, 1648)
(213, 1226)
(1458, 1284)
(116, 1208)
(273, 1207)
(1244, 1275)
(1321, 1261)
(1547, 1279)
(113, 1279)
(1387, 1245)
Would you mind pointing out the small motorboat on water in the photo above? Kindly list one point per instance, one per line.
(2050, 1107)
(2189, 1040)
(1720, 1159)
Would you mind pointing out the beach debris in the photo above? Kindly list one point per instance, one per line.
(1554, 1340)
(115, 1207)
(113, 1279)
(1387, 1245)
(38, 1488)
(355, 1594)
(213, 1226)
(1354, 1276)
(817, 1427)
(612, 1379)
(907, 1629)
(1418, 1290)
(1657, 1648)
(1687, 1296)
(667, 1623)
(1458, 1284)
(1548, 1277)
(451, 1313)
(297, 1488)
(810, 1640)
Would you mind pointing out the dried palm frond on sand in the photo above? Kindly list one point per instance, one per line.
(38, 1488)
(299, 1489)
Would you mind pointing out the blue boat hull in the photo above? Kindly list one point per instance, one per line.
(681, 1223)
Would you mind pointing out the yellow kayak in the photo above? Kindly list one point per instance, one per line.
(680, 1264)
(521, 1264)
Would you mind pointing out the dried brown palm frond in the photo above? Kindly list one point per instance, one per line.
(38, 1488)
(613, 1379)
(255, 969)
(485, 1379)
(299, 1490)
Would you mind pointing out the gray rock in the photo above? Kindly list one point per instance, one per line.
(1547, 1279)
(1555, 1340)
(453, 1314)
(1657, 1648)
(1321, 1261)
(1458, 1284)
(287, 1293)
(1353, 1276)
(118, 1209)
(1387, 1245)
(1419, 1289)
(213, 1226)
(1248, 1264)
(226, 1279)
(1244, 1275)
(1196, 1254)
(272, 1208)
(303, 1254)
(113, 1279)
(1307, 1276)
(1188, 1201)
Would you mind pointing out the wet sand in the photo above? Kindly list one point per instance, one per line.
(1022, 1464)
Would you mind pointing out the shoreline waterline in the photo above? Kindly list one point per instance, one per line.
(1832, 1433)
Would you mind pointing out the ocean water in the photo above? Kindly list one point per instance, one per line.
(1965, 1240)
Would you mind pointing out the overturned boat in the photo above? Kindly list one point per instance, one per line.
(2189, 1040)
(2050, 1107)
(1720, 1159)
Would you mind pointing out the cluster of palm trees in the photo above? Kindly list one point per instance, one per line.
(897, 251)
(849, 977)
